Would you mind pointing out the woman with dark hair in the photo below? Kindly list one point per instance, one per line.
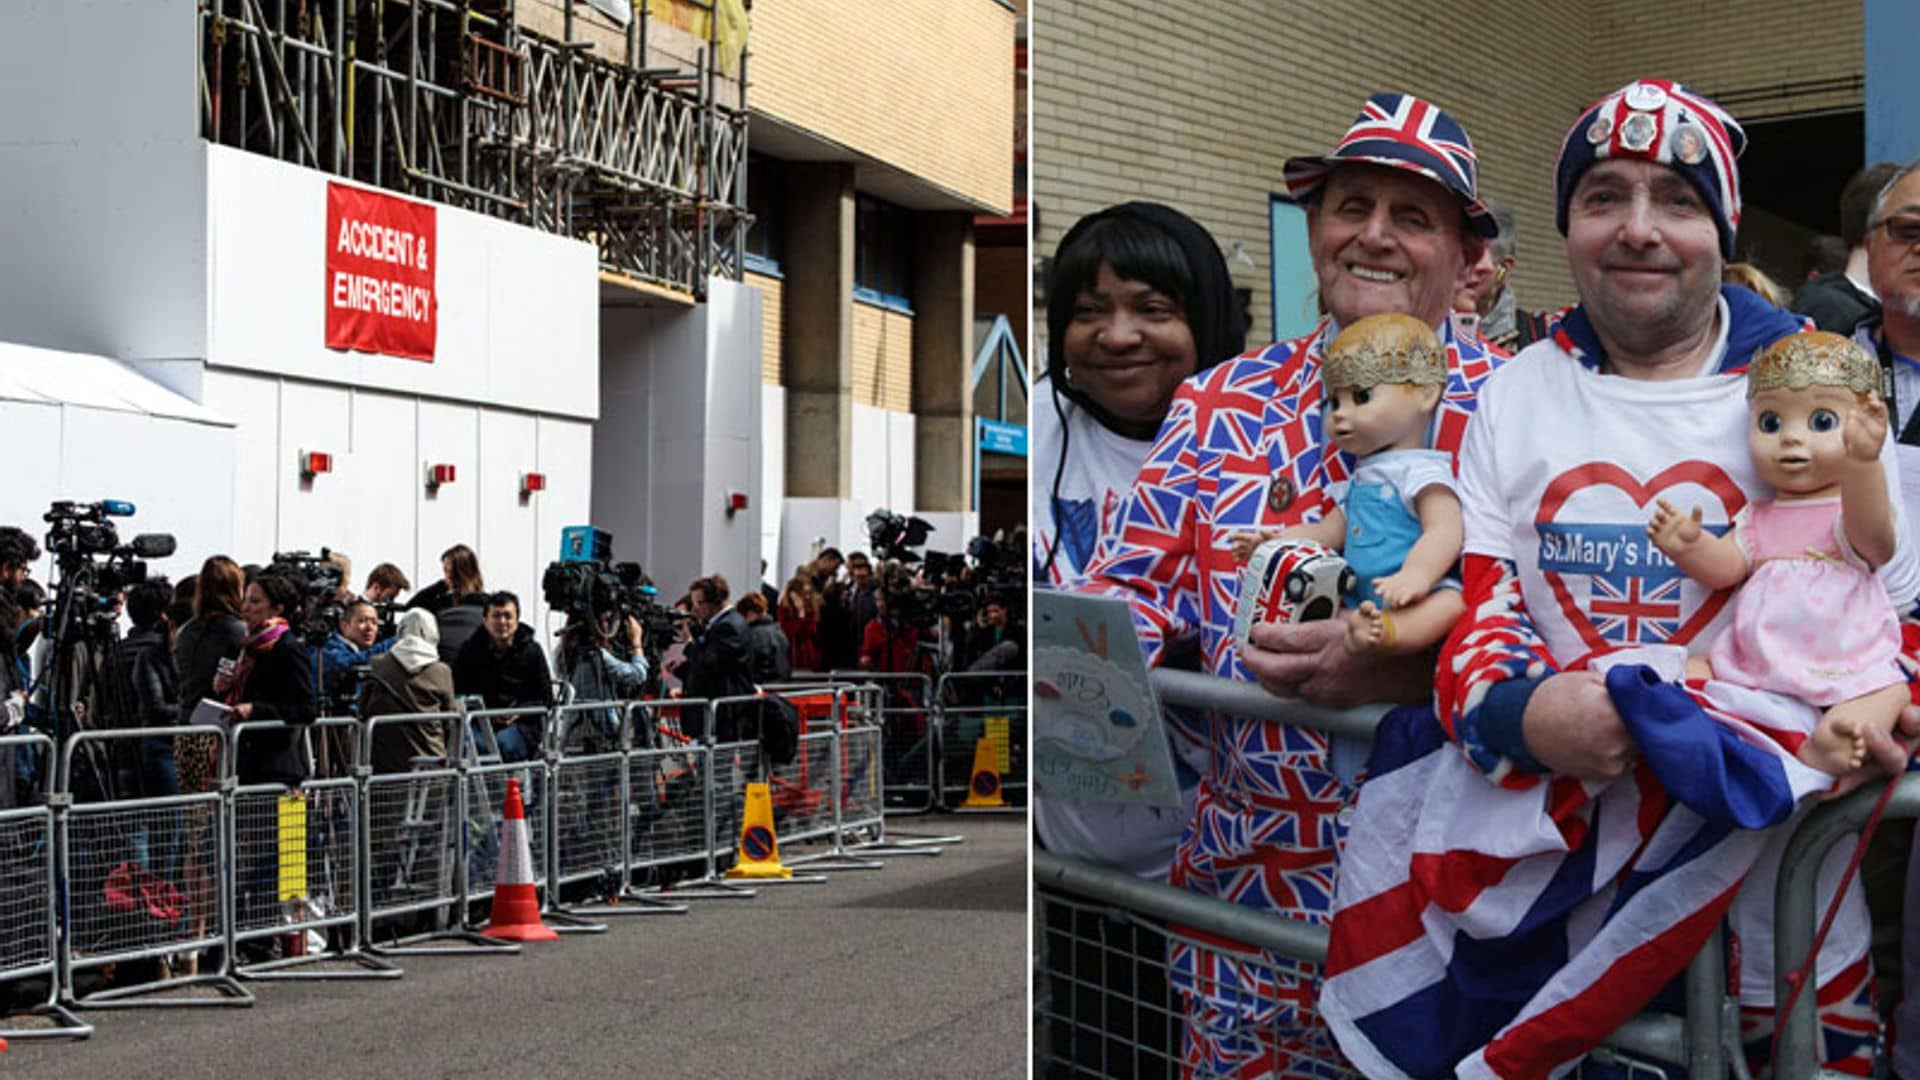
(459, 578)
(272, 681)
(215, 633)
(1139, 299)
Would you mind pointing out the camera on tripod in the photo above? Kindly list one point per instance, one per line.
(318, 578)
(92, 566)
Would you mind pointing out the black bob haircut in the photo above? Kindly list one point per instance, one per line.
(1136, 249)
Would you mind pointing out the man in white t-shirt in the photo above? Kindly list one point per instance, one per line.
(1637, 395)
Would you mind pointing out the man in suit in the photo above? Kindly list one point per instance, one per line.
(716, 659)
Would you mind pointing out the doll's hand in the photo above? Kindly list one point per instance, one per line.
(1399, 589)
(1243, 545)
(1866, 430)
(1671, 531)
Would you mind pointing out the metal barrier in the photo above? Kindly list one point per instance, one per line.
(588, 816)
(297, 856)
(973, 706)
(1232, 935)
(669, 808)
(909, 740)
(483, 799)
(412, 847)
(29, 924)
(1795, 904)
(117, 860)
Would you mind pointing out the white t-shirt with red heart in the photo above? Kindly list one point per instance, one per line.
(1559, 473)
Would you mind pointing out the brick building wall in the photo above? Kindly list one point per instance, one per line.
(869, 76)
(770, 343)
(882, 358)
(1198, 106)
(1755, 44)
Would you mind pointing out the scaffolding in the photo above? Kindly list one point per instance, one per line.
(455, 101)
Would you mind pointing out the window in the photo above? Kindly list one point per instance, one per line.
(883, 252)
(766, 200)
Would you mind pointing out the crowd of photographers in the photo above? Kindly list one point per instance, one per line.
(108, 647)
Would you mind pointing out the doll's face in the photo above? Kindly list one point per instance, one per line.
(1795, 436)
(1392, 416)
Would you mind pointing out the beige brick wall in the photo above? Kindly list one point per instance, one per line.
(1754, 44)
(922, 85)
(1221, 94)
(1198, 105)
(770, 310)
(882, 358)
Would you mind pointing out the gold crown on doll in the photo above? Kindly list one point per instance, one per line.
(1816, 358)
(1383, 349)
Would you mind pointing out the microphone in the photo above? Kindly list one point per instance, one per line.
(153, 545)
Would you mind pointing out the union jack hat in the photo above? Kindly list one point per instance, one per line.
(1660, 121)
(1401, 131)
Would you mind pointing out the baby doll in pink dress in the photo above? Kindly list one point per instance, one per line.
(1810, 621)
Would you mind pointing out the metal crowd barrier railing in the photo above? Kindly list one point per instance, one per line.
(352, 866)
(114, 867)
(910, 737)
(1705, 1040)
(29, 913)
(971, 706)
(302, 845)
(1796, 906)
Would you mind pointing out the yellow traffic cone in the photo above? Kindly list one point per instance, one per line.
(983, 791)
(759, 849)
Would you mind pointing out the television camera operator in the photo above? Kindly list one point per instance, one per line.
(610, 647)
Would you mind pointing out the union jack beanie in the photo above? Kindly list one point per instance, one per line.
(1660, 121)
(1403, 132)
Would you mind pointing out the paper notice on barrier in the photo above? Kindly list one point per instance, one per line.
(1097, 734)
(212, 713)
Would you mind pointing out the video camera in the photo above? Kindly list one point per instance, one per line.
(894, 537)
(587, 584)
(319, 580)
(92, 566)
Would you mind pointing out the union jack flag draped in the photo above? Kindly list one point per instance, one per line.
(1243, 448)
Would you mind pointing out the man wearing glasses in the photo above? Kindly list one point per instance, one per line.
(1893, 266)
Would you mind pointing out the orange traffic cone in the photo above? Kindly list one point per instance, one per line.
(516, 907)
(759, 848)
(983, 790)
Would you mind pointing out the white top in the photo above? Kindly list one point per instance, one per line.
(1407, 472)
(1101, 466)
(1099, 474)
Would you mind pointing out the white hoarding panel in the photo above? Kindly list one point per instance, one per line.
(516, 317)
(180, 478)
(318, 512)
(508, 447)
(566, 458)
(451, 514)
(253, 404)
(383, 473)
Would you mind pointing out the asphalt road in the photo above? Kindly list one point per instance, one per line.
(916, 970)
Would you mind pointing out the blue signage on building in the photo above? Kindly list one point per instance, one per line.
(998, 438)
